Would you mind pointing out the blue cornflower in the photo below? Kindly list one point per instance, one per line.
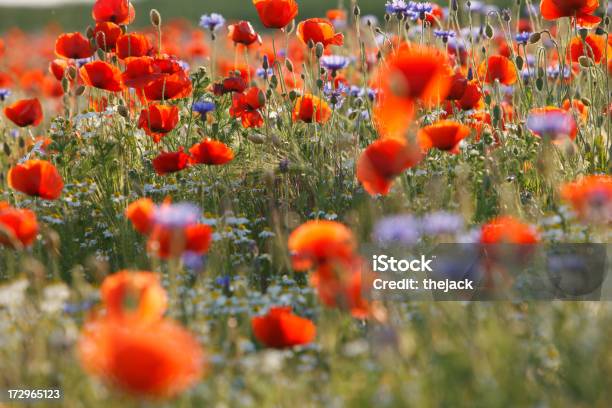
(212, 22)
(335, 62)
(553, 124)
(523, 37)
(4, 93)
(194, 262)
(264, 74)
(396, 7)
(444, 34)
(420, 8)
(203, 107)
(555, 71)
(177, 215)
(397, 229)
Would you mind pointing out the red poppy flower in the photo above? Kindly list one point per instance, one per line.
(138, 72)
(310, 108)
(106, 35)
(73, 46)
(51, 88)
(211, 152)
(243, 33)
(472, 97)
(114, 11)
(280, 328)
(167, 87)
(341, 286)
(101, 75)
(593, 46)
(413, 73)
(383, 161)
(319, 242)
(232, 84)
(37, 178)
(58, 67)
(170, 162)
(578, 106)
(444, 135)
(276, 13)
(168, 242)
(458, 86)
(336, 15)
(591, 198)
(132, 45)
(140, 290)
(500, 68)
(18, 227)
(582, 9)
(158, 120)
(141, 213)
(246, 107)
(508, 230)
(25, 112)
(319, 30)
(141, 358)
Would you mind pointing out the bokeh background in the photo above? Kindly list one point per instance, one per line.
(77, 16)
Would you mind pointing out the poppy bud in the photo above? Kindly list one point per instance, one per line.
(357, 11)
(585, 62)
(273, 82)
(100, 53)
(7, 149)
(289, 65)
(534, 38)
(266, 63)
(65, 84)
(319, 83)
(123, 111)
(156, 19)
(583, 32)
(387, 17)
(519, 62)
(586, 101)
(600, 31)
(489, 31)
(311, 44)
(454, 5)
(293, 95)
(90, 32)
(71, 73)
(319, 50)
(79, 90)
(21, 142)
(540, 83)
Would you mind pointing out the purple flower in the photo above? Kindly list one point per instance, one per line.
(4, 93)
(263, 73)
(444, 34)
(398, 229)
(203, 107)
(396, 7)
(420, 8)
(441, 223)
(177, 215)
(212, 22)
(553, 124)
(335, 62)
(523, 37)
(194, 262)
(555, 71)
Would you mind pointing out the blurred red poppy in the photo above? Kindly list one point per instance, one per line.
(141, 213)
(114, 11)
(246, 106)
(508, 230)
(413, 73)
(167, 242)
(25, 112)
(38, 178)
(591, 197)
(106, 35)
(500, 68)
(318, 242)
(158, 120)
(310, 108)
(384, 160)
(170, 162)
(18, 227)
(243, 33)
(276, 13)
(134, 294)
(280, 328)
(101, 75)
(73, 46)
(443, 135)
(319, 30)
(582, 9)
(141, 358)
(58, 67)
(593, 46)
(133, 45)
(211, 152)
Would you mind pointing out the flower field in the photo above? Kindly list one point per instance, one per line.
(186, 207)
